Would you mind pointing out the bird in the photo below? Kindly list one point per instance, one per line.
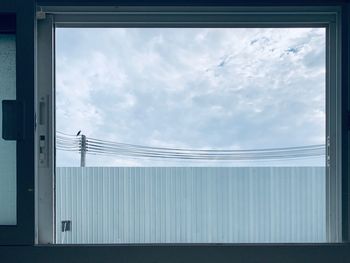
(78, 133)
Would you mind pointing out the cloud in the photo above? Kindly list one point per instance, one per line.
(193, 88)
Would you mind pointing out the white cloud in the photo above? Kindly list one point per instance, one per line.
(193, 88)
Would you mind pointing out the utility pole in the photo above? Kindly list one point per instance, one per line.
(82, 150)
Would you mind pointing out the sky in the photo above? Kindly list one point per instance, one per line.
(198, 88)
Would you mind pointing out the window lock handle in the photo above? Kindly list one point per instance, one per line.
(12, 120)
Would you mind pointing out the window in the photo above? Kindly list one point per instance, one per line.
(34, 134)
(271, 86)
(16, 140)
(7, 148)
(258, 94)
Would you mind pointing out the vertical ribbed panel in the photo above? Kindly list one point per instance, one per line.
(191, 205)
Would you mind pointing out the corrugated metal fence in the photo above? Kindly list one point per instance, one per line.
(191, 205)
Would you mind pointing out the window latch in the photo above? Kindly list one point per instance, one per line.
(328, 156)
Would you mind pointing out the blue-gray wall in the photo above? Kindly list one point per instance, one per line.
(191, 205)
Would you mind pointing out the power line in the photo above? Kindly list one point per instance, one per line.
(94, 146)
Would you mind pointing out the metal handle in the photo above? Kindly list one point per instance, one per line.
(12, 120)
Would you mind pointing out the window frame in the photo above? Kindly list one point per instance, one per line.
(326, 17)
(22, 232)
(17, 246)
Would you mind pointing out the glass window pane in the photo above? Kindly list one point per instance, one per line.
(190, 135)
(7, 148)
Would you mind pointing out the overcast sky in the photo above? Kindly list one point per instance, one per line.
(191, 88)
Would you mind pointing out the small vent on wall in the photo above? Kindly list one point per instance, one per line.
(66, 226)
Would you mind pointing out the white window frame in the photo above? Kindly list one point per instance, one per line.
(51, 17)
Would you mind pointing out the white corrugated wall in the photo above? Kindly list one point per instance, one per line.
(191, 205)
